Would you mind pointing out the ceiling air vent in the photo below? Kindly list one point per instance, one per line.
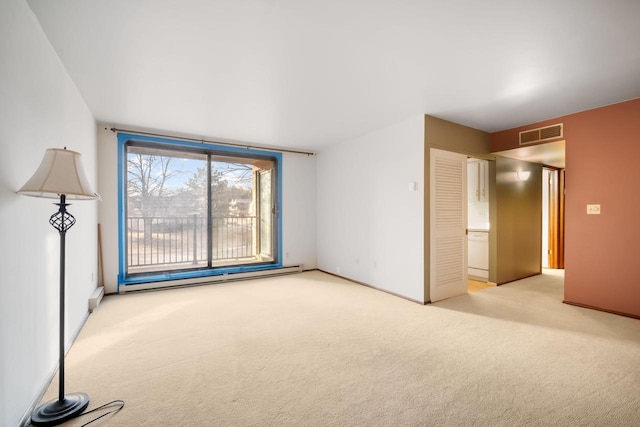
(541, 134)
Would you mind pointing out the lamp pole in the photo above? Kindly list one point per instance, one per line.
(62, 212)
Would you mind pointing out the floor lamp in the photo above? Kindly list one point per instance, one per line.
(60, 175)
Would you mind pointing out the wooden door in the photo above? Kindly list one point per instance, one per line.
(448, 217)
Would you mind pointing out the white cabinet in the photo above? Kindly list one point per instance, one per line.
(477, 180)
(478, 267)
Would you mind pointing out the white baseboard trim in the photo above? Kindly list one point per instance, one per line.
(375, 287)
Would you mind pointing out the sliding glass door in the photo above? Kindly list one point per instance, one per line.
(195, 208)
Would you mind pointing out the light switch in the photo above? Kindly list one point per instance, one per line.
(593, 209)
(412, 186)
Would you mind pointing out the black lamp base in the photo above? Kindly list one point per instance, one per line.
(56, 412)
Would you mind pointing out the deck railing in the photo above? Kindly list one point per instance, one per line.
(158, 241)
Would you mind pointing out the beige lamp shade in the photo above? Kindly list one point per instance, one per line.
(59, 173)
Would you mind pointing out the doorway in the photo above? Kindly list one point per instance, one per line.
(553, 218)
(551, 155)
(477, 224)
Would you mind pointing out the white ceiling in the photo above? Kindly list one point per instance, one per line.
(307, 74)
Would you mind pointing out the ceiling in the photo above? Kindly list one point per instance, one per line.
(307, 74)
(548, 154)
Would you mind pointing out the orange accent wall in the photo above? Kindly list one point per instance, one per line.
(602, 258)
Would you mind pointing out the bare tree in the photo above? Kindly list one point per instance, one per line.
(230, 183)
(147, 177)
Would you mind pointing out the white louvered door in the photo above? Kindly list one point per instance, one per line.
(448, 193)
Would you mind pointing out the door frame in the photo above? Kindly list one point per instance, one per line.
(555, 216)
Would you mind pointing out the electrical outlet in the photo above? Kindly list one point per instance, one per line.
(593, 209)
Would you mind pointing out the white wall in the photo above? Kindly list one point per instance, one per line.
(370, 225)
(108, 213)
(298, 210)
(40, 108)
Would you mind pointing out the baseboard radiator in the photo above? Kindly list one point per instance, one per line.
(210, 279)
(95, 298)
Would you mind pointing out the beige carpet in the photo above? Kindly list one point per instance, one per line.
(313, 350)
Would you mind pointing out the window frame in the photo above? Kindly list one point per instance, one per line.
(173, 143)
